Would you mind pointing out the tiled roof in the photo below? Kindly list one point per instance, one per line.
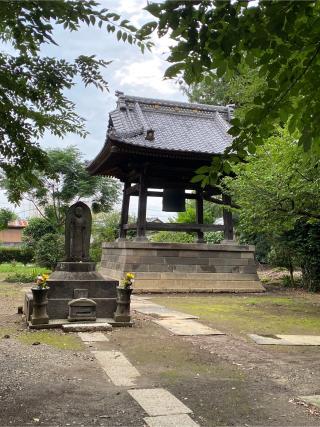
(177, 126)
(18, 223)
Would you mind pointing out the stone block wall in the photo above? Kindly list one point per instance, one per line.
(194, 267)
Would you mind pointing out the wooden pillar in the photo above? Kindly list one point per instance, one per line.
(199, 215)
(227, 218)
(124, 210)
(142, 209)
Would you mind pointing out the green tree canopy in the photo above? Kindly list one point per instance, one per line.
(277, 187)
(277, 39)
(65, 181)
(6, 215)
(33, 87)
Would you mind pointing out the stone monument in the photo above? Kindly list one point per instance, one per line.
(77, 233)
(77, 292)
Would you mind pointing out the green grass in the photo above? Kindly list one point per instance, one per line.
(262, 315)
(20, 273)
(21, 268)
(52, 338)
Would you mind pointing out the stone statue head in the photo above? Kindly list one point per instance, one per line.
(78, 211)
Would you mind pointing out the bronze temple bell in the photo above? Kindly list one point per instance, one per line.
(173, 200)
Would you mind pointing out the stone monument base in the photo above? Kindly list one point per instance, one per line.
(175, 267)
(77, 281)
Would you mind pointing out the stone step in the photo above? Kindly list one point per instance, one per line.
(197, 286)
(187, 276)
(86, 327)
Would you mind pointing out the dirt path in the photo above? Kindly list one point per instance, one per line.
(225, 380)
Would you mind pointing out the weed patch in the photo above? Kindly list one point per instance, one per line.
(52, 338)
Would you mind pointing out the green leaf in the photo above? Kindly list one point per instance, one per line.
(197, 178)
(252, 148)
(203, 169)
(174, 69)
(119, 35)
(154, 9)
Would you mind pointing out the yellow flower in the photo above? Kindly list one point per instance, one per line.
(130, 276)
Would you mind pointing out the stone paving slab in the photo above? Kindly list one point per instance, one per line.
(160, 311)
(312, 400)
(93, 336)
(158, 401)
(186, 327)
(182, 420)
(117, 367)
(86, 327)
(309, 340)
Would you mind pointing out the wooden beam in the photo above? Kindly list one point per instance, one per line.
(199, 215)
(165, 226)
(152, 193)
(124, 211)
(142, 209)
(227, 218)
(133, 190)
(212, 199)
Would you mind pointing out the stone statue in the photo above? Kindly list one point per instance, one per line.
(78, 232)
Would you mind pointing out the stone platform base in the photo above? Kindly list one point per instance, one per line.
(65, 283)
(58, 323)
(175, 267)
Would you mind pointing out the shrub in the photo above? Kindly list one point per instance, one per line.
(26, 277)
(49, 250)
(171, 237)
(19, 254)
(106, 229)
(213, 237)
(37, 228)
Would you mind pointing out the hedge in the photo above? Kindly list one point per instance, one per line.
(18, 254)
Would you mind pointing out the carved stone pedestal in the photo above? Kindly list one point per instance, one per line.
(122, 313)
(40, 302)
(71, 281)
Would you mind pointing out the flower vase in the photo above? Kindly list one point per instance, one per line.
(122, 313)
(40, 301)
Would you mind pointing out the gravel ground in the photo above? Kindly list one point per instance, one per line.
(225, 380)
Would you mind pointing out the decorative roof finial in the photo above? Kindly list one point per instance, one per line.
(150, 135)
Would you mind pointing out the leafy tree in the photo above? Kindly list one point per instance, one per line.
(6, 215)
(210, 213)
(278, 194)
(49, 250)
(277, 187)
(240, 90)
(172, 237)
(105, 228)
(37, 228)
(279, 40)
(66, 180)
(33, 87)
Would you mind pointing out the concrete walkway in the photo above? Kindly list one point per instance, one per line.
(176, 322)
(161, 406)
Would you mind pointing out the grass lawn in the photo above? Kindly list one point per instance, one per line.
(290, 313)
(21, 268)
(18, 272)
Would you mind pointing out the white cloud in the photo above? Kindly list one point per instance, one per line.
(147, 74)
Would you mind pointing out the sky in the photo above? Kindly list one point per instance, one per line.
(131, 72)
